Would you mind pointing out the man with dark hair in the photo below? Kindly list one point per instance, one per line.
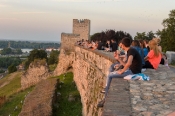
(132, 66)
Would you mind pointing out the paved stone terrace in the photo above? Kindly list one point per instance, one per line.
(141, 98)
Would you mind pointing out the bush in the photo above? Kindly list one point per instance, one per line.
(35, 54)
(12, 68)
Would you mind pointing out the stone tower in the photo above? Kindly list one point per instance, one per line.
(82, 27)
(9, 45)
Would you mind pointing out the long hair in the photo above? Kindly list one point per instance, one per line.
(153, 46)
(157, 40)
(135, 43)
(142, 44)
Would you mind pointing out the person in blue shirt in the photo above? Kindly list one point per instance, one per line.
(136, 44)
(144, 48)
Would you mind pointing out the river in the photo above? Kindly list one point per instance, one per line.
(23, 50)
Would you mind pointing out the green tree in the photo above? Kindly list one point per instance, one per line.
(110, 34)
(144, 36)
(35, 54)
(167, 34)
(18, 51)
(6, 51)
(12, 68)
(140, 36)
(5, 62)
(150, 35)
(53, 59)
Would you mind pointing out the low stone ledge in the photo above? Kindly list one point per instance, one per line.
(106, 55)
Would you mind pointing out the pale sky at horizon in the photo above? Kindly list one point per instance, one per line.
(45, 20)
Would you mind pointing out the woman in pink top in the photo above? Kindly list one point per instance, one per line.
(154, 56)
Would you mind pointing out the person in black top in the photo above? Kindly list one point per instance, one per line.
(114, 45)
(107, 46)
(132, 66)
(100, 44)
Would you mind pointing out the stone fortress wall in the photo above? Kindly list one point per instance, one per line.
(90, 68)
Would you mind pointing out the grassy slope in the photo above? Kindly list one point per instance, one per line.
(14, 104)
(62, 106)
(13, 84)
(14, 97)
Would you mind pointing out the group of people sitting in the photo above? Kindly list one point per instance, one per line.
(109, 46)
(131, 58)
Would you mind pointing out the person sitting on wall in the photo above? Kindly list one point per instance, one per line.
(85, 44)
(146, 44)
(114, 45)
(144, 48)
(107, 46)
(135, 44)
(122, 55)
(152, 60)
(89, 44)
(100, 45)
(132, 66)
(94, 47)
(160, 48)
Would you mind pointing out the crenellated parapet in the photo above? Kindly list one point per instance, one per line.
(82, 27)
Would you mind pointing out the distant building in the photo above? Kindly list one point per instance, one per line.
(50, 49)
(9, 46)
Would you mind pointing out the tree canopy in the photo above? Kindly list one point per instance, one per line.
(7, 51)
(12, 68)
(35, 54)
(110, 34)
(7, 61)
(53, 59)
(144, 36)
(167, 34)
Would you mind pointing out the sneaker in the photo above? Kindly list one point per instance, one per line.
(143, 69)
(103, 91)
(101, 103)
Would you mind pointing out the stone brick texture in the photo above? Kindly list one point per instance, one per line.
(82, 27)
(34, 74)
(90, 70)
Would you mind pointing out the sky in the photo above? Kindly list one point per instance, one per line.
(45, 20)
